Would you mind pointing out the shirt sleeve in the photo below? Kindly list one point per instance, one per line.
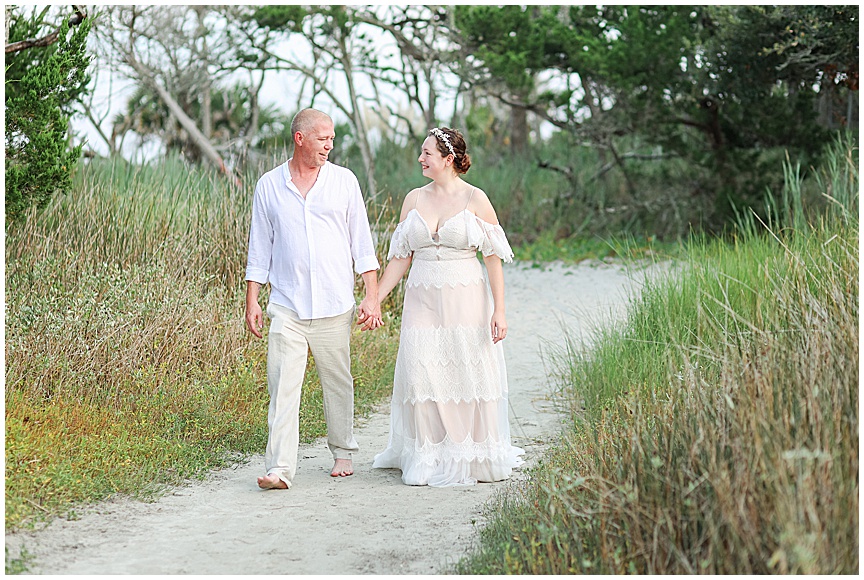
(260, 240)
(362, 246)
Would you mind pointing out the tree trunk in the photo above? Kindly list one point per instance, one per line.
(204, 56)
(359, 125)
(112, 145)
(254, 111)
(207, 111)
(456, 118)
(518, 129)
(187, 123)
(433, 99)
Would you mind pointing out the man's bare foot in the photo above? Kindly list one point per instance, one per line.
(271, 481)
(342, 468)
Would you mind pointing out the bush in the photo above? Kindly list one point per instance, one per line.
(716, 431)
(40, 85)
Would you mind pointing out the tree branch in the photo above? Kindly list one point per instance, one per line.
(187, 123)
(289, 65)
(606, 168)
(112, 147)
(532, 107)
(74, 20)
(571, 176)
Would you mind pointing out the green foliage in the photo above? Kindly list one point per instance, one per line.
(513, 42)
(20, 564)
(336, 20)
(726, 90)
(714, 431)
(574, 249)
(41, 84)
(280, 17)
(816, 41)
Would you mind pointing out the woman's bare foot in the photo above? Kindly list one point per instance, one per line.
(271, 481)
(342, 468)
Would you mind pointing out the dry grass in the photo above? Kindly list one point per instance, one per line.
(127, 363)
(716, 431)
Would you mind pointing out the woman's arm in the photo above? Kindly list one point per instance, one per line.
(397, 267)
(394, 271)
(482, 207)
(496, 282)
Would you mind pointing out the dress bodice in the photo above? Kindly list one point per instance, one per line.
(459, 237)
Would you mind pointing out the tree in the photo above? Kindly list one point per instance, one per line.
(424, 59)
(807, 46)
(503, 49)
(726, 89)
(237, 123)
(334, 48)
(45, 74)
(183, 56)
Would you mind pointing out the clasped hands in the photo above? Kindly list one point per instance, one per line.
(369, 314)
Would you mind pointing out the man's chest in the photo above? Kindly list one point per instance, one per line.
(304, 185)
(318, 209)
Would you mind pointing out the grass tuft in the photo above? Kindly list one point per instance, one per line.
(716, 430)
(128, 366)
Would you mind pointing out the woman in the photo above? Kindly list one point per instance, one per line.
(449, 409)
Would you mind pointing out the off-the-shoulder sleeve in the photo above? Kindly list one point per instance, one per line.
(399, 247)
(491, 239)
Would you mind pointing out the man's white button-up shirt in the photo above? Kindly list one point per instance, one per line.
(305, 247)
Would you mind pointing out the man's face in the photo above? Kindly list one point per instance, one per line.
(318, 143)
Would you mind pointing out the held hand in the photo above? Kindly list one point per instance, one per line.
(369, 322)
(369, 314)
(499, 327)
(254, 319)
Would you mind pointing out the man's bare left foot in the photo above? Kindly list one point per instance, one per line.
(342, 468)
(271, 481)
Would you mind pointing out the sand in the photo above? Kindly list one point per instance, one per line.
(369, 523)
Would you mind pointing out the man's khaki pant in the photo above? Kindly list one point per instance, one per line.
(289, 340)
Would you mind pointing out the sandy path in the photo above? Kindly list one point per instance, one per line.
(369, 523)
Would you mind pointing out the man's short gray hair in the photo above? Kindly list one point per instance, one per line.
(305, 121)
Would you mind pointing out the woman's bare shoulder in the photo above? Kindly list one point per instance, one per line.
(481, 206)
(410, 202)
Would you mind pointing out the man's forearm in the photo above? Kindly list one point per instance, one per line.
(370, 283)
(252, 291)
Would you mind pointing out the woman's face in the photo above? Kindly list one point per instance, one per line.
(431, 161)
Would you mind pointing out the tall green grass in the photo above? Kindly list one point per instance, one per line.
(716, 430)
(127, 361)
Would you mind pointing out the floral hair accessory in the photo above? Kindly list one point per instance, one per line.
(441, 135)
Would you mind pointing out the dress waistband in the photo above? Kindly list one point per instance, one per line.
(441, 253)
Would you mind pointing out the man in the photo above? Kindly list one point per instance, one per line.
(308, 224)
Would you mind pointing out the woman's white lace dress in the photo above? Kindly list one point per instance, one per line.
(448, 423)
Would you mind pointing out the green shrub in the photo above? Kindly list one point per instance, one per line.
(716, 430)
(41, 83)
